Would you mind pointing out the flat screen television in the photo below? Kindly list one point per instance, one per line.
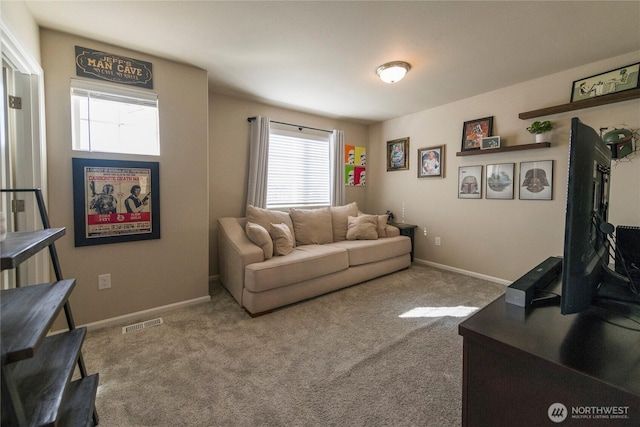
(586, 276)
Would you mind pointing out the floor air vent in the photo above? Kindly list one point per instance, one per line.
(142, 325)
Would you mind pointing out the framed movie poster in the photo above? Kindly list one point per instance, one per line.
(474, 130)
(500, 181)
(115, 201)
(398, 154)
(470, 182)
(536, 180)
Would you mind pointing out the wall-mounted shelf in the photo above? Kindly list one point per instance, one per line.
(579, 105)
(521, 147)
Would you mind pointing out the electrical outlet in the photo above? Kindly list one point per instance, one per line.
(437, 241)
(104, 281)
(424, 231)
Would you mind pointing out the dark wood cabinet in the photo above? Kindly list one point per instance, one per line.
(520, 362)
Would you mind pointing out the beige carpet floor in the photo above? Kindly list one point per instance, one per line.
(348, 358)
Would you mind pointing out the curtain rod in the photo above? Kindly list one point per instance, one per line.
(250, 119)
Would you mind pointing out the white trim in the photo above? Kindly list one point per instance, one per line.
(152, 312)
(12, 49)
(32, 130)
(112, 89)
(465, 272)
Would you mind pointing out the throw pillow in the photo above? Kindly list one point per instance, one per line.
(266, 217)
(260, 237)
(339, 219)
(382, 225)
(282, 239)
(363, 227)
(312, 226)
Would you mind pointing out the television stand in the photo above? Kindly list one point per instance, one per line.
(617, 289)
(518, 362)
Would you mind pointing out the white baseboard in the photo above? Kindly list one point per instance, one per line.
(465, 272)
(152, 312)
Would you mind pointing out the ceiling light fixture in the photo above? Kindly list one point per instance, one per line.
(392, 72)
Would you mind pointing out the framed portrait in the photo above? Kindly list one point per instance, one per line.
(536, 180)
(398, 154)
(115, 201)
(618, 80)
(499, 179)
(431, 162)
(490, 142)
(474, 130)
(470, 182)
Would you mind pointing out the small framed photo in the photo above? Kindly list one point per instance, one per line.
(500, 181)
(470, 182)
(490, 142)
(618, 80)
(398, 154)
(431, 162)
(536, 180)
(474, 130)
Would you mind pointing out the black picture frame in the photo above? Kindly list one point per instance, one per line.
(103, 201)
(536, 180)
(470, 182)
(474, 130)
(614, 81)
(500, 178)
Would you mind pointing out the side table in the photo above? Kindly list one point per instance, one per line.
(406, 230)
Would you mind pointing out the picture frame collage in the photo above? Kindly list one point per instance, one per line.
(498, 180)
(494, 181)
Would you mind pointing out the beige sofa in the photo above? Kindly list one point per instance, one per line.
(270, 259)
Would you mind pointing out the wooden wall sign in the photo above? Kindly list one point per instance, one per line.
(100, 65)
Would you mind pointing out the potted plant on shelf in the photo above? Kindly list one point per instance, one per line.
(542, 130)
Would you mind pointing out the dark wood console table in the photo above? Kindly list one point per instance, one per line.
(519, 362)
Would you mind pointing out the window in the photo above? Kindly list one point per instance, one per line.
(112, 119)
(299, 171)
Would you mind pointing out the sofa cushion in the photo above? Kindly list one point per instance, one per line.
(304, 263)
(339, 219)
(282, 239)
(367, 251)
(362, 227)
(266, 217)
(312, 226)
(260, 236)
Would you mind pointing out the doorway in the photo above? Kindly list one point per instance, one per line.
(22, 152)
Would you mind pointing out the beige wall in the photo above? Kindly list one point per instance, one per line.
(497, 238)
(228, 163)
(17, 17)
(145, 274)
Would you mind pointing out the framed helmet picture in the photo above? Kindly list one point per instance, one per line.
(470, 182)
(536, 180)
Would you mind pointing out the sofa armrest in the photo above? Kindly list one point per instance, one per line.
(391, 230)
(235, 252)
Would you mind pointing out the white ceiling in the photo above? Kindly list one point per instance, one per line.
(320, 57)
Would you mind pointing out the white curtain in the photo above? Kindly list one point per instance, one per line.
(258, 162)
(337, 168)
